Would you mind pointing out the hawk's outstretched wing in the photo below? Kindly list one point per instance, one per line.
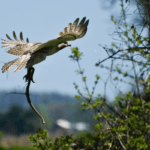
(75, 31)
(70, 33)
(19, 47)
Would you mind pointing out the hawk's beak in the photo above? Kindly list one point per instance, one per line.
(69, 44)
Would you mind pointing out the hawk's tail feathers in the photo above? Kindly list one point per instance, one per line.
(21, 62)
(9, 65)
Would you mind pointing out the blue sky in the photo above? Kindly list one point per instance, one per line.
(41, 21)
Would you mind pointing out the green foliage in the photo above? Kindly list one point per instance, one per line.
(81, 140)
(77, 97)
(2, 147)
(85, 137)
(127, 119)
(20, 148)
(41, 135)
(16, 147)
(84, 79)
(76, 54)
(63, 142)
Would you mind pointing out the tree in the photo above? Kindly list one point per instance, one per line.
(128, 127)
(140, 17)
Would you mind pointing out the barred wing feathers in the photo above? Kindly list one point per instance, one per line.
(70, 33)
(19, 47)
(75, 31)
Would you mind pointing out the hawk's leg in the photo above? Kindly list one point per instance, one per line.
(29, 75)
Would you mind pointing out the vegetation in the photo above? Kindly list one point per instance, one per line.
(128, 127)
(17, 148)
(128, 118)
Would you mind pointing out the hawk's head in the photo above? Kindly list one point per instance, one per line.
(63, 45)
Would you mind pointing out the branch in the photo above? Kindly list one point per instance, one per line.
(27, 95)
(111, 56)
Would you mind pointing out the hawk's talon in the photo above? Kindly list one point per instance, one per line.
(29, 75)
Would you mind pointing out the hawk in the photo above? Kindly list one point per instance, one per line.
(31, 53)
